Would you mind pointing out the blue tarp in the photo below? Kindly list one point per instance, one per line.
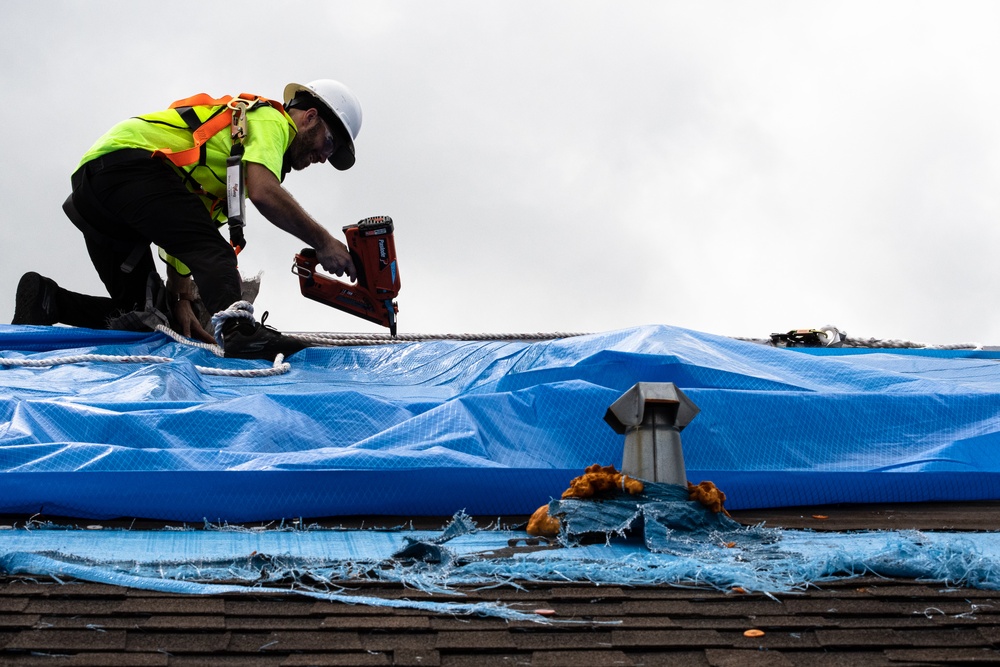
(433, 427)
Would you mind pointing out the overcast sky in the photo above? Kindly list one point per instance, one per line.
(738, 168)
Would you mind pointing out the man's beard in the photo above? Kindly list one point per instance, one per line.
(300, 150)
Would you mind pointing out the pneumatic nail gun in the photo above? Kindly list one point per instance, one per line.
(373, 252)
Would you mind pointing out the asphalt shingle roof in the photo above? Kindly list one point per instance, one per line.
(862, 621)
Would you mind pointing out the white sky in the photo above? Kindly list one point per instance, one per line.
(738, 168)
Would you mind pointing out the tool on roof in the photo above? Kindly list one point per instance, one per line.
(373, 251)
(826, 337)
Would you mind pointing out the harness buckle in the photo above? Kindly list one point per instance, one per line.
(239, 106)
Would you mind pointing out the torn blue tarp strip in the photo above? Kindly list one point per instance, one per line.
(669, 546)
(494, 427)
(36, 564)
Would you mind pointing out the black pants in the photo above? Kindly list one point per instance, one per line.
(128, 199)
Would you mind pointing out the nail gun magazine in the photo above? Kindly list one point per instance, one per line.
(373, 252)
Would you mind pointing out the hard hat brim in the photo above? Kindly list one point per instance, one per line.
(344, 158)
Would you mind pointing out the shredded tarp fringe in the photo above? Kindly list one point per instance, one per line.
(26, 563)
(324, 563)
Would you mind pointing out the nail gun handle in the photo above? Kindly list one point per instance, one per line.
(305, 265)
(359, 268)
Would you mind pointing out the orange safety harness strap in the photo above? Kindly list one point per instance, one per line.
(232, 113)
(213, 125)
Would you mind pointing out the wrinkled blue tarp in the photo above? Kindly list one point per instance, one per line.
(430, 428)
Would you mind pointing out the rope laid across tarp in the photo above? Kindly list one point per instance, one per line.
(881, 343)
(334, 339)
(348, 339)
(279, 367)
(894, 343)
(831, 336)
(83, 358)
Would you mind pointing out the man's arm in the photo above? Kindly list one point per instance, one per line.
(280, 208)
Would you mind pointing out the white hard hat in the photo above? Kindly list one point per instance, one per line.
(339, 106)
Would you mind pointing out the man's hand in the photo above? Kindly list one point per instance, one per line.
(336, 259)
(183, 292)
(189, 324)
(278, 206)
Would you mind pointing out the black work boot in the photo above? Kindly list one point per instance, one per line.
(242, 338)
(35, 302)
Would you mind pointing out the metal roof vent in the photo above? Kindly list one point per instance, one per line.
(651, 415)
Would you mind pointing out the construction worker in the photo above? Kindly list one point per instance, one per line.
(161, 178)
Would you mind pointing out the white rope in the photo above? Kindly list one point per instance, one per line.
(875, 343)
(278, 368)
(81, 358)
(242, 310)
(896, 343)
(211, 347)
(350, 339)
(841, 339)
(335, 339)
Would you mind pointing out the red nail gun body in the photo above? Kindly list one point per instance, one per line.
(374, 254)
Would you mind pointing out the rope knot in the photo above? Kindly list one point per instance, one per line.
(242, 310)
